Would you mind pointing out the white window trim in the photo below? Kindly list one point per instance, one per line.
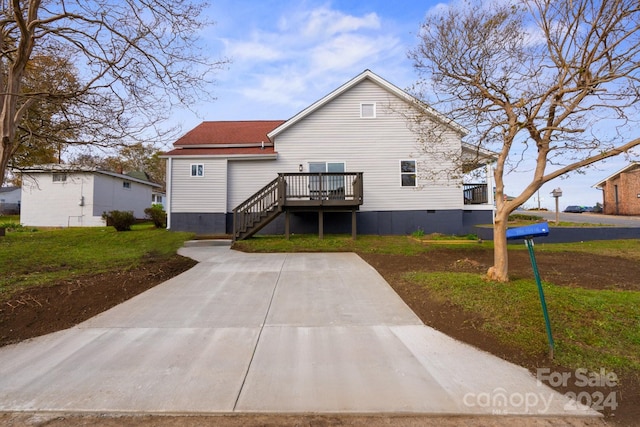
(407, 173)
(362, 104)
(125, 186)
(62, 175)
(191, 170)
(326, 162)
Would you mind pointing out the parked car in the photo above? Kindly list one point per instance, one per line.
(574, 209)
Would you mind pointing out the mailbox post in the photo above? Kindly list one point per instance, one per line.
(528, 233)
(557, 193)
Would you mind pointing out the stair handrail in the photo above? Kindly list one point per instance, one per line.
(245, 215)
(258, 195)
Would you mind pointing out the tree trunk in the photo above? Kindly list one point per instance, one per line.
(5, 155)
(500, 270)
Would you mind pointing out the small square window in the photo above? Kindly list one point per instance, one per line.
(126, 184)
(408, 173)
(197, 170)
(59, 177)
(367, 110)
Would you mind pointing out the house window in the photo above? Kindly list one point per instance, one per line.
(197, 170)
(368, 110)
(59, 177)
(408, 173)
(126, 184)
(327, 185)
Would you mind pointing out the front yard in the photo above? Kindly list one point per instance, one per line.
(53, 279)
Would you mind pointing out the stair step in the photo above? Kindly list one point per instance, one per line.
(207, 242)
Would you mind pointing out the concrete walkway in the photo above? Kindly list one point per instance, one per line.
(287, 333)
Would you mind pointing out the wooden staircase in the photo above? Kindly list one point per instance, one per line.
(257, 211)
(297, 192)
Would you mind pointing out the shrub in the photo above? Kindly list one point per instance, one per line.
(157, 214)
(524, 217)
(11, 226)
(418, 233)
(120, 220)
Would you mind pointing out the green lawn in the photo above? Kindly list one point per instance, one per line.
(591, 328)
(36, 258)
(392, 245)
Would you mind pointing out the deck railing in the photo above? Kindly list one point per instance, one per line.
(475, 194)
(325, 188)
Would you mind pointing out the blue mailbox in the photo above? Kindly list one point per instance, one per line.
(528, 231)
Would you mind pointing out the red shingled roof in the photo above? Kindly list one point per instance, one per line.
(241, 132)
(220, 151)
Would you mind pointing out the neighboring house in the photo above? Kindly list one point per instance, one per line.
(66, 196)
(158, 198)
(9, 200)
(350, 158)
(157, 195)
(621, 191)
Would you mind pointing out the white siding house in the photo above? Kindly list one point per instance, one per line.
(66, 196)
(363, 126)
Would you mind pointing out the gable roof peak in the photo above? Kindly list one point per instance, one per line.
(631, 166)
(367, 75)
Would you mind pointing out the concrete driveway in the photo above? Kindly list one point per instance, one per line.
(287, 333)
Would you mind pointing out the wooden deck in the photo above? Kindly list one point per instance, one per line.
(314, 192)
(321, 192)
(337, 190)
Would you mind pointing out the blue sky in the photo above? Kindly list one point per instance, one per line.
(287, 54)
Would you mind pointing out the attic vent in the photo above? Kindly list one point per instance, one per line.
(368, 110)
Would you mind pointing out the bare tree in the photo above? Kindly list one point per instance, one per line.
(138, 157)
(132, 61)
(553, 79)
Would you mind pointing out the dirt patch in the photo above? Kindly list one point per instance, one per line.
(39, 311)
(286, 420)
(562, 268)
(62, 305)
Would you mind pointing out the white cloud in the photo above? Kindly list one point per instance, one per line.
(252, 50)
(327, 22)
(283, 88)
(347, 50)
(290, 60)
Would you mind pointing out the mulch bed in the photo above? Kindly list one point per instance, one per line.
(42, 310)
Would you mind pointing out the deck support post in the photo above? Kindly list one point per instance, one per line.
(287, 218)
(320, 224)
(353, 224)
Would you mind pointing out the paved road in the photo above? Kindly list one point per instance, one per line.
(266, 333)
(621, 221)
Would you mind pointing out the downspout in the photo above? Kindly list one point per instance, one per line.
(168, 195)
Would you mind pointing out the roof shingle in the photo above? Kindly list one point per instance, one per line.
(229, 132)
